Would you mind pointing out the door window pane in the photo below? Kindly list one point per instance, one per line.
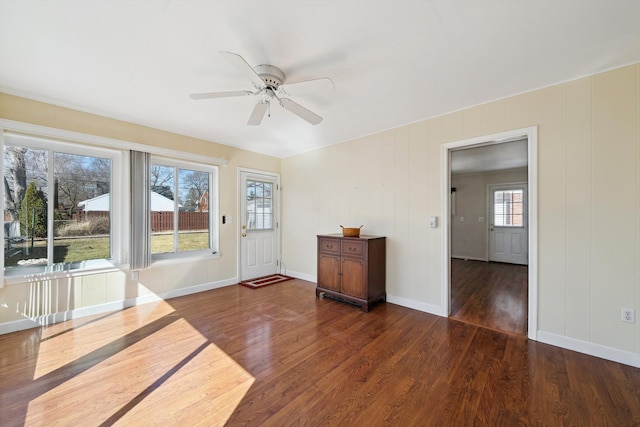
(508, 208)
(259, 214)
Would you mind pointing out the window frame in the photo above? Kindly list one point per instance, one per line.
(51, 145)
(214, 228)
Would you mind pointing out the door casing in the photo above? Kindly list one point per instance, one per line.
(240, 220)
(531, 134)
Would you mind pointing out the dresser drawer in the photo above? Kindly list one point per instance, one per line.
(353, 247)
(331, 246)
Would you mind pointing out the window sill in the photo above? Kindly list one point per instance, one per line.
(164, 259)
(37, 274)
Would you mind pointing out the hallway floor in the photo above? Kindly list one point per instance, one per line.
(490, 294)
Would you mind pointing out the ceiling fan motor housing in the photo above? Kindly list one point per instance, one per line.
(271, 75)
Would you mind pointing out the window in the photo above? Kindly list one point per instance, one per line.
(58, 205)
(182, 208)
(508, 208)
(259, 205)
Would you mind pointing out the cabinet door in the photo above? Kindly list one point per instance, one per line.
(353, 279)
(329, 272)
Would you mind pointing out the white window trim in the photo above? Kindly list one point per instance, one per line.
(214, 230)
(109, 143)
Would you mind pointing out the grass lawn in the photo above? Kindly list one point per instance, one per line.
(86, 248)
(187, 241)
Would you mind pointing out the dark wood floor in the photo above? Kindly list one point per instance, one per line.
(490, 294)
(278, 356)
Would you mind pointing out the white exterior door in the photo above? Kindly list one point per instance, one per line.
(508, 229)
(259, 236)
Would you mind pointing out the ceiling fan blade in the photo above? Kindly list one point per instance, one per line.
(209, 95)
(242, 66)
(313, 86)
(300, 111)
(258, 113)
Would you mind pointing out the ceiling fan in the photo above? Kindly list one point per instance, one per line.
(269, 84)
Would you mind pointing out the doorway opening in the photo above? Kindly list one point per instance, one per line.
(490, 223)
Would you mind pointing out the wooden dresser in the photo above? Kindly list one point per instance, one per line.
(352, 269)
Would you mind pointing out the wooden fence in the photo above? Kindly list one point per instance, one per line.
(160, 221)
(83, 216)
(163, 221)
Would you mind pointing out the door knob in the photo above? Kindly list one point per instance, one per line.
(244, 227)
(244, 234)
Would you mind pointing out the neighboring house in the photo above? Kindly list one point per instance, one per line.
(159, 203)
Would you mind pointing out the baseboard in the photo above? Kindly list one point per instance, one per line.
(307, 277)
(405, 302)
(416, 305)
(198, 288)
(469, 258)
(22, 324)
(592, 349)
(17, 325)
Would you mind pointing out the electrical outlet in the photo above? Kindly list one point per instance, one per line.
(627, 315)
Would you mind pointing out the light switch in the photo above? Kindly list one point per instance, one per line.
(480, 219)
(461, 219)
(433, 222)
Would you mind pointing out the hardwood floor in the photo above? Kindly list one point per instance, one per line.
(278, 356)
(490, 294)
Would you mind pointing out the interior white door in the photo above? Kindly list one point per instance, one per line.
(259, 244)
(508, 229)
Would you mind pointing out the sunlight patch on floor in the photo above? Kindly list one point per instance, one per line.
(61, 347)
(173, 367)
(196, 396)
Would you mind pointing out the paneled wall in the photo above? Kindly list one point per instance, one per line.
(588, 202)
(46, 300)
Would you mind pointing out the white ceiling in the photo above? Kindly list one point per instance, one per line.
(393, 62)
(487, 158)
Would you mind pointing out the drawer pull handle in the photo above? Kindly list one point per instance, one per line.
(330, 246)
(352, 249)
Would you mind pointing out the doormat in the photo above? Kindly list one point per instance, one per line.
(265, 281)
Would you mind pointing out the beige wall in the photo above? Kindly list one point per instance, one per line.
(469, 224)
(588, 201)
(40, 298)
